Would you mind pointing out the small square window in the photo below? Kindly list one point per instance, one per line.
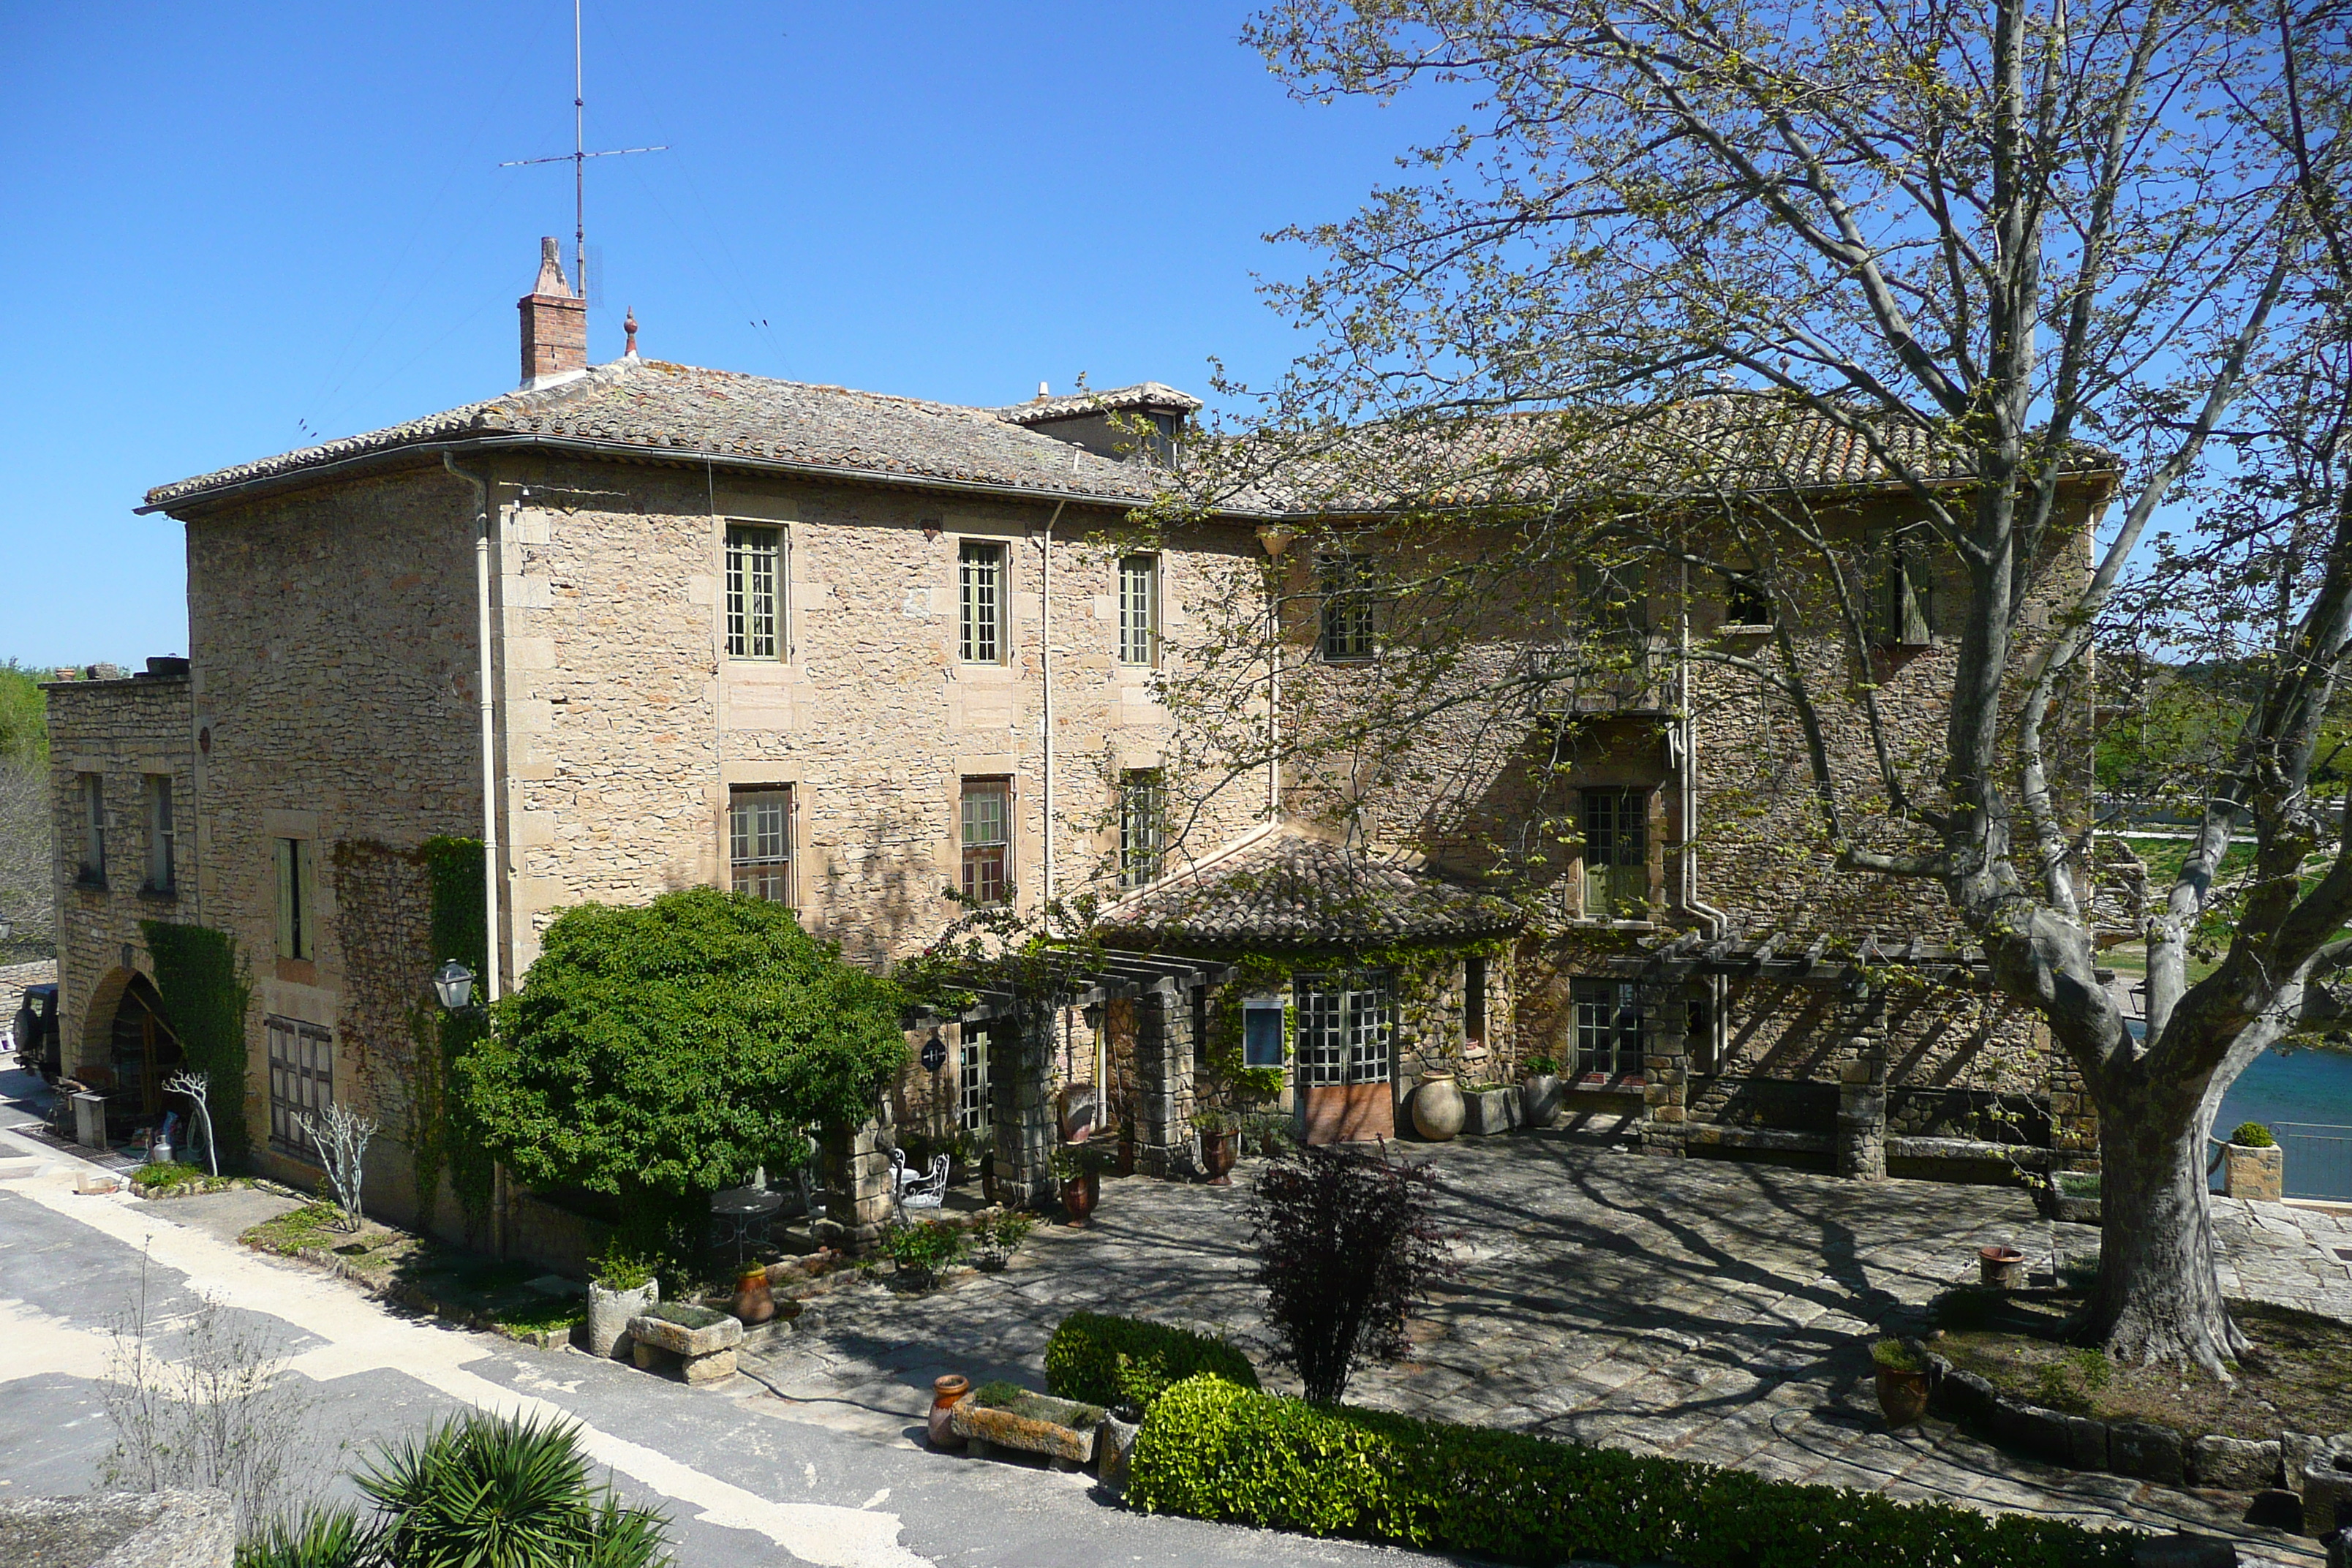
(1349, 629)
(1608, 1028)
(987, 840)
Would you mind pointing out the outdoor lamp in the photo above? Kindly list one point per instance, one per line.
(1275, 539)
(454, 984)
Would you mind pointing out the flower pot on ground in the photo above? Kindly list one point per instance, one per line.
(1437, 1107)
(754, 1301)
(1902, 1382)
(1115, 1448)
(1079, 1196)
(945, 1391)
(1489, 1109)
(2001, 1268)
(624, 1288)
(1218, 1151)
(1539, 1093)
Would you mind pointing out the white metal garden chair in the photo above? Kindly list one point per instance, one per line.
(910, 1191)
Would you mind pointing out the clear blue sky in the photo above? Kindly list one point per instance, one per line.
(233, 229)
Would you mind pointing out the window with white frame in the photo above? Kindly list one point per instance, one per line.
(755, 591)
(298, 896)
(1142, 805)
(1138, 609)
(302, 1082)
(158, 833)
(759, 843)
(1343, 1027)
(979, 602)
(92, 791)
(971, 1081)
(1608, 1028)
(986, 830)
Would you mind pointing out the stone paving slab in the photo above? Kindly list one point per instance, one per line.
(1702, 1309)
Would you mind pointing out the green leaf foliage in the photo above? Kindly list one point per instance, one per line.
(484, 1492)
(24, 716)
(1214, 1450)
(206, 988)
(667, 1050)
(320, 1538)
(1105, 1360)
(2253, 1135)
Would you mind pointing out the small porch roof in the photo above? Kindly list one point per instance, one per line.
(1112, 976)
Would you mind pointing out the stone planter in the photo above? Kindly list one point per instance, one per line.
(1115, 1449)
(1437, 1111)
(1539, 1101)
(2326, 1492)
(1487, 1112)
(1061, 1429)
(2248, 1173)
(699, 1342)
(609, 1313)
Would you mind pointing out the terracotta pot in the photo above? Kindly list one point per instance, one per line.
(1437, 1111)
(945, 1391)
(1903, 1395)
(754, 1302)
(2001, 1268)
(1080, 1195)
(1218, 1151)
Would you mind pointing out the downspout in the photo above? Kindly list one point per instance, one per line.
(1713, 918)
(496, 955)
(1274, 539)
(1045, 664)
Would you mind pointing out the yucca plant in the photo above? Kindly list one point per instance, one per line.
(483, 1491)
(320, 1538)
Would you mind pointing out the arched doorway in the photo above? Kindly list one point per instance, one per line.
(142, 1052)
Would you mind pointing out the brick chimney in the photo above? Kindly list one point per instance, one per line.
(554, 322)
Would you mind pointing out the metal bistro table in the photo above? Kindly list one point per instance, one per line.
(744, 1210)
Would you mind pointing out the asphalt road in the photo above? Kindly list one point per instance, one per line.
(746, 1476)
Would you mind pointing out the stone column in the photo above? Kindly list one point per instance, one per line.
(1021, 1111)
(1163, 1069)
(1665, 1069)
(857, 1165)
(1862, 1110)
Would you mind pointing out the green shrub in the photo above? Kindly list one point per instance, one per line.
(922, 1249)
(1216, 1451)
(164, 1174)
(2253, 1135)
(1008, 1230)
(498, 1493)
(320, 1538)
(1103, 1360)
(1541, 1066)
(297, 1230)
(1896, 1356)
(620, 1270)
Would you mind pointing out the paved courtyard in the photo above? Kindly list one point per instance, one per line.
(1707, 1309)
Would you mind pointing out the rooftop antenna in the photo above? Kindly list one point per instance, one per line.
(578, 158)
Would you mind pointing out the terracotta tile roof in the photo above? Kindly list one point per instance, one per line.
(1142, 396)
(669, 409)
(1291, 891)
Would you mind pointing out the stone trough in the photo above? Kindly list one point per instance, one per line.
(697, 1341)
(1061, 1429)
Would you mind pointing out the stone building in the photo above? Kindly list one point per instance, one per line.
(642, 626)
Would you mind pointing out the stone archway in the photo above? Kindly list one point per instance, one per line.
(128, 1050)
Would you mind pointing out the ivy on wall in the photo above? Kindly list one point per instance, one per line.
(459, 930)
(206, 988)
(379, 891)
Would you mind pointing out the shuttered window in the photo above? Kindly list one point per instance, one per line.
(302, 1082)
(298, 896)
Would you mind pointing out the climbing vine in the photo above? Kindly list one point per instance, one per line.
(206, 988)
(459, 930)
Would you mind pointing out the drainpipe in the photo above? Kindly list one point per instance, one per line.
(488, 727)
(1714, 920)
(1046, 663)
(1275, 539)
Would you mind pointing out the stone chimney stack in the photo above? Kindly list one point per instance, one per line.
(554, 323)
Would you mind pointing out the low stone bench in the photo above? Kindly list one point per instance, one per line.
(698, 1342)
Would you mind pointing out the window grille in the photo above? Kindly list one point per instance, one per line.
(755, 592)
(158, 833)
(302, 1082)
(1138, 609)
(1343, 1028)
(1141, 805)
(987, 834)
(980, 599)
(759, 843)
(297, 900)
(1616, 853)
(1608, 1028)
(93, 828)
(1348, 606)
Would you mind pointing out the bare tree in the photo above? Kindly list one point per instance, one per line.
(2017, 264)
(197, 1086)
(341, 1139)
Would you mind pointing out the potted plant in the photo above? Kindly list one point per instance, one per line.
(754, 1301)
(1437, 1111)
(2253, 1165)
(1539, 1092)
(1902, 1382)
(1078, 1168)
(921, 1252)
(1488, 1108)
(997, 1240)
(1221, 1137)
(623, 1287)
(1268, 1132)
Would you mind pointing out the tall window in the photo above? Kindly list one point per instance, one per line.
(1348, 630)
(1608, 1028)
(1616, 854)
(987, 833)
(1343, 1027)
(755, 592)
(1906, 595)
(759, 843)
(93, 830)
(1138, 609)
(980, 601)
(1474, 997)
(1142, 808)
(158, 833)
(302, 1082)
(298, 896)
(971, 1081)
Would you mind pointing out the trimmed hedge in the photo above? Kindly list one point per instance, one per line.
(1216, 1451)
(1100, 1360)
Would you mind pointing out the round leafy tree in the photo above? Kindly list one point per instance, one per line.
(662, 1052)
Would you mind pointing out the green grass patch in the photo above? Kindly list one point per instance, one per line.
(548, 1315)
(165, 1175)
(299, 1230)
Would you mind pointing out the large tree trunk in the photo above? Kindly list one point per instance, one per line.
(2158, 1296)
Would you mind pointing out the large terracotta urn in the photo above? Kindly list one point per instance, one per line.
(1437, 1107)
